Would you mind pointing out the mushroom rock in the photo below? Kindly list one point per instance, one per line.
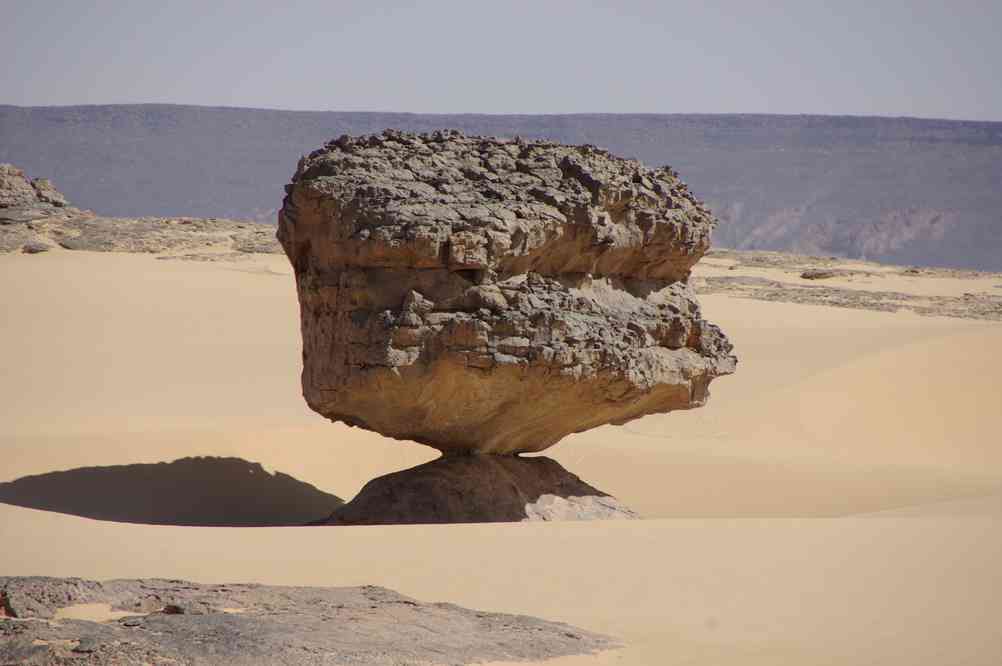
(495, 295)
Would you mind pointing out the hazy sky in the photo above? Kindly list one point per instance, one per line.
(915, 58)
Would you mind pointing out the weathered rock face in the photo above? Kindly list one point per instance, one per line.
(491, 295)
(15, 189)
(154, 621)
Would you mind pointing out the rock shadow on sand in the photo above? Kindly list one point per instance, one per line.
(478, 489)
(196, 491)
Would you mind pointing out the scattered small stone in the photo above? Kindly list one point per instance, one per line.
(35, 247)
(819, 274)
(87, 645)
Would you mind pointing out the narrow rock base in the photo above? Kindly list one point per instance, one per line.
(479, 489)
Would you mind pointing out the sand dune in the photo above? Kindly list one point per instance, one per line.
(835, 503)
(706, 592)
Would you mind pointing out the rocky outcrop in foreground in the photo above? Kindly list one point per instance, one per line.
(479, 489)
(175, 622)
(490, 295)
(35, 218)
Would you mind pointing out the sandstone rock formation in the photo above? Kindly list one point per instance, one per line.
(35, 217)
(479, 489)
(493, 295)
(155, 621)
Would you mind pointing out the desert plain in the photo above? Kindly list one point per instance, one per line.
(838, 500)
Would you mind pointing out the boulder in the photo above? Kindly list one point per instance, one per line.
(494, 295)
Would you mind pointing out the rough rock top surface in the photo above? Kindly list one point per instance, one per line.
(493, 295)
(155, 621)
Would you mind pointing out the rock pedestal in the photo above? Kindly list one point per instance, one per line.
(479, 489)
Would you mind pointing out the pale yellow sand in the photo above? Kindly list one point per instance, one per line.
(90, 612)
(881, 419)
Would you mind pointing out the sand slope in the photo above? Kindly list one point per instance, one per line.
(878, 419)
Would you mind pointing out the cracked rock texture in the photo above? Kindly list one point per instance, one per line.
(492, 295)
(153, 621)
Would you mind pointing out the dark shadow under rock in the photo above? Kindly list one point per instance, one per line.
(478, 489)
(188, 623)
(200, 491)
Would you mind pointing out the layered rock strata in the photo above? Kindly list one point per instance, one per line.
(490, 295)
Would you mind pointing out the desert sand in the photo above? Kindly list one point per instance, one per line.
(838, 501)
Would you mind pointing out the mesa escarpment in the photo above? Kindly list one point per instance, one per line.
(491, 295)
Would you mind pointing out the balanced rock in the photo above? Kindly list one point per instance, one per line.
(491, 295)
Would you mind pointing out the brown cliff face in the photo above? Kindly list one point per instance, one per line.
(489, 295)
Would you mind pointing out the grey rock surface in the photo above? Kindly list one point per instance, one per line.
(35, 247)
(177, 622)
(479, 489)
(494, 295)
(820, 273)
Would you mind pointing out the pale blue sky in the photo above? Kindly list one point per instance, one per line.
(929, 59)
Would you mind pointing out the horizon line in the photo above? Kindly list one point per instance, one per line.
(502, 114)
